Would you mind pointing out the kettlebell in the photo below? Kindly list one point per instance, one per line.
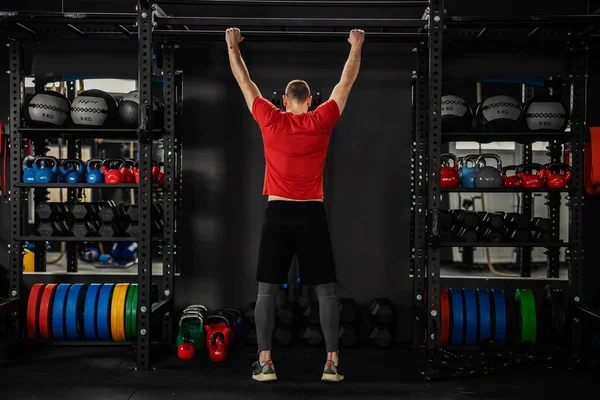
(449, 178)
(29, 169)
(557, 175)
(155, 171)
(111, 167)
(47, 169)
(128, 176)
(531, 180)
(94, 173)
(186, 350)
(486, 176)
(467, 174)
(512, 181)
(72, 171)
(160, 176)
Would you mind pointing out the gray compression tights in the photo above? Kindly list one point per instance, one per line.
(264, 314)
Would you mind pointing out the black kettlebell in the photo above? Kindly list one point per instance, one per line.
(486, 176)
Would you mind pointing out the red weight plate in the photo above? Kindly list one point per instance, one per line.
(33, 307)
(46, 311)
(445, 318)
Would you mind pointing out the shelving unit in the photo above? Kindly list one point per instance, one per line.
(427, 150)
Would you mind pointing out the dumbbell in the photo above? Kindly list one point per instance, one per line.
(541, 224)
(348, 313)
(516, 221)
(465, 234)
(466, 219)
(490, 220)
(348, 335)
(312, 336)
(349, 322)
(53, 228)
(542, 237)
(283, 335)
(382, 311)
(490, 235)
(48, 211)
(516, 235)
(250, 323)
(382, 337)
(445, 235)
(111, 221)
(312, 313)
(287, 313)
(85, 229)
(445, 219)
(82, 211)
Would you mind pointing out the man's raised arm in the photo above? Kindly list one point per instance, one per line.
(234, 37)
(342, 89)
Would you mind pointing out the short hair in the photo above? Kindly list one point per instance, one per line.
(297, 90)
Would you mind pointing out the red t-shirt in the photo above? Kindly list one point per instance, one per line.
(295, 148)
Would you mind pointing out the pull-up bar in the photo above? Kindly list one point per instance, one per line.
(374, 36)
(299, 3)
(292, 22)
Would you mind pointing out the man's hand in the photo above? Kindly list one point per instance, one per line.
(357, 37)
(233, 37)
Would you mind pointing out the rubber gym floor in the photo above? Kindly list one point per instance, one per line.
(108, 373)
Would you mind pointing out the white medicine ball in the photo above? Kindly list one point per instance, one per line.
(93, 108)
(545, 114)
(49, 109)
(456, 114)
(499, 113)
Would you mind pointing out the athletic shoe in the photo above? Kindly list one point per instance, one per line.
(332, 372)
(264, 373)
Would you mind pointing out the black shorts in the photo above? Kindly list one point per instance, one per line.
(301, 228)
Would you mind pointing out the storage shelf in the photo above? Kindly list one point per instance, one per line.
(519, 137)
(116, 133)
(504, 244)
(507, 190)
(76, 185)
(77, 239)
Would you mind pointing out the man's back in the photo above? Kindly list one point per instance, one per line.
(295, 148)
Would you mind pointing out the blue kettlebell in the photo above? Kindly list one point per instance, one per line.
(466, 172)
(29, 169)
(47, 169)
(94, 173)
(72, 171)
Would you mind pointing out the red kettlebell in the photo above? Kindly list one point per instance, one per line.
(155, 171)
(186, 350)
(112, 170)
(220, 323)
(511, 181)
(558, 175)
(217, 349)
(161, 174)
(127, 171)
(449, 177)
(531, 180)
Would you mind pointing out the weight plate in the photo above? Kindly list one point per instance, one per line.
(470, 316)
(33, 307)
(46, 311)
(499, 316)
(444, 317)
(117, 313)
(58, 311)
(133, 321)
(128, 311)
(103, 312)
(89, 312)
(457, 334)
(74, 311)
(485, 315)
(532, 320)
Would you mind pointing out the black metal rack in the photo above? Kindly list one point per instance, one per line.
(426, 153)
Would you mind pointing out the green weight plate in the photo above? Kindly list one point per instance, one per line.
(133, 319)
(522, 315)
(532, 324)
(128, 303)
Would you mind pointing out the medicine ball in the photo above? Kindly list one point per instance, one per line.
(456, 114)
(499, 114)
(129, 109)
(93, 108)
(544, 113)
(49, 109)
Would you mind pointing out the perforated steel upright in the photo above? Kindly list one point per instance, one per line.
(436, 29)
(144, 312)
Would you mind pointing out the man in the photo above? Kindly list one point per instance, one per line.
(295, 147)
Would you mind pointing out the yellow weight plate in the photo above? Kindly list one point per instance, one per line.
(117, 317)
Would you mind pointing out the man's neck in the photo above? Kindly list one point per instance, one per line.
(296, 111)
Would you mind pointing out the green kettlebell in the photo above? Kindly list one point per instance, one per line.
(194, 326)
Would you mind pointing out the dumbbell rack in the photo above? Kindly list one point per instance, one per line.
(427, 149)
(149, 314)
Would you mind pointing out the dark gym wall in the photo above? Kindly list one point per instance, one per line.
(368, 164)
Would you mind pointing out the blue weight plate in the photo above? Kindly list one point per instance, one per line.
(89, 311)
(457, 316)
(485, 315)
(499, 316)
(103, 311)
(470, 317)
(58, 311)
(74, 311)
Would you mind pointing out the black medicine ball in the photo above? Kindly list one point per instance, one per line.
(545, 114)
(456, 114)
(93, 108)
(47, 109)
(129, 109)
(499, 114)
